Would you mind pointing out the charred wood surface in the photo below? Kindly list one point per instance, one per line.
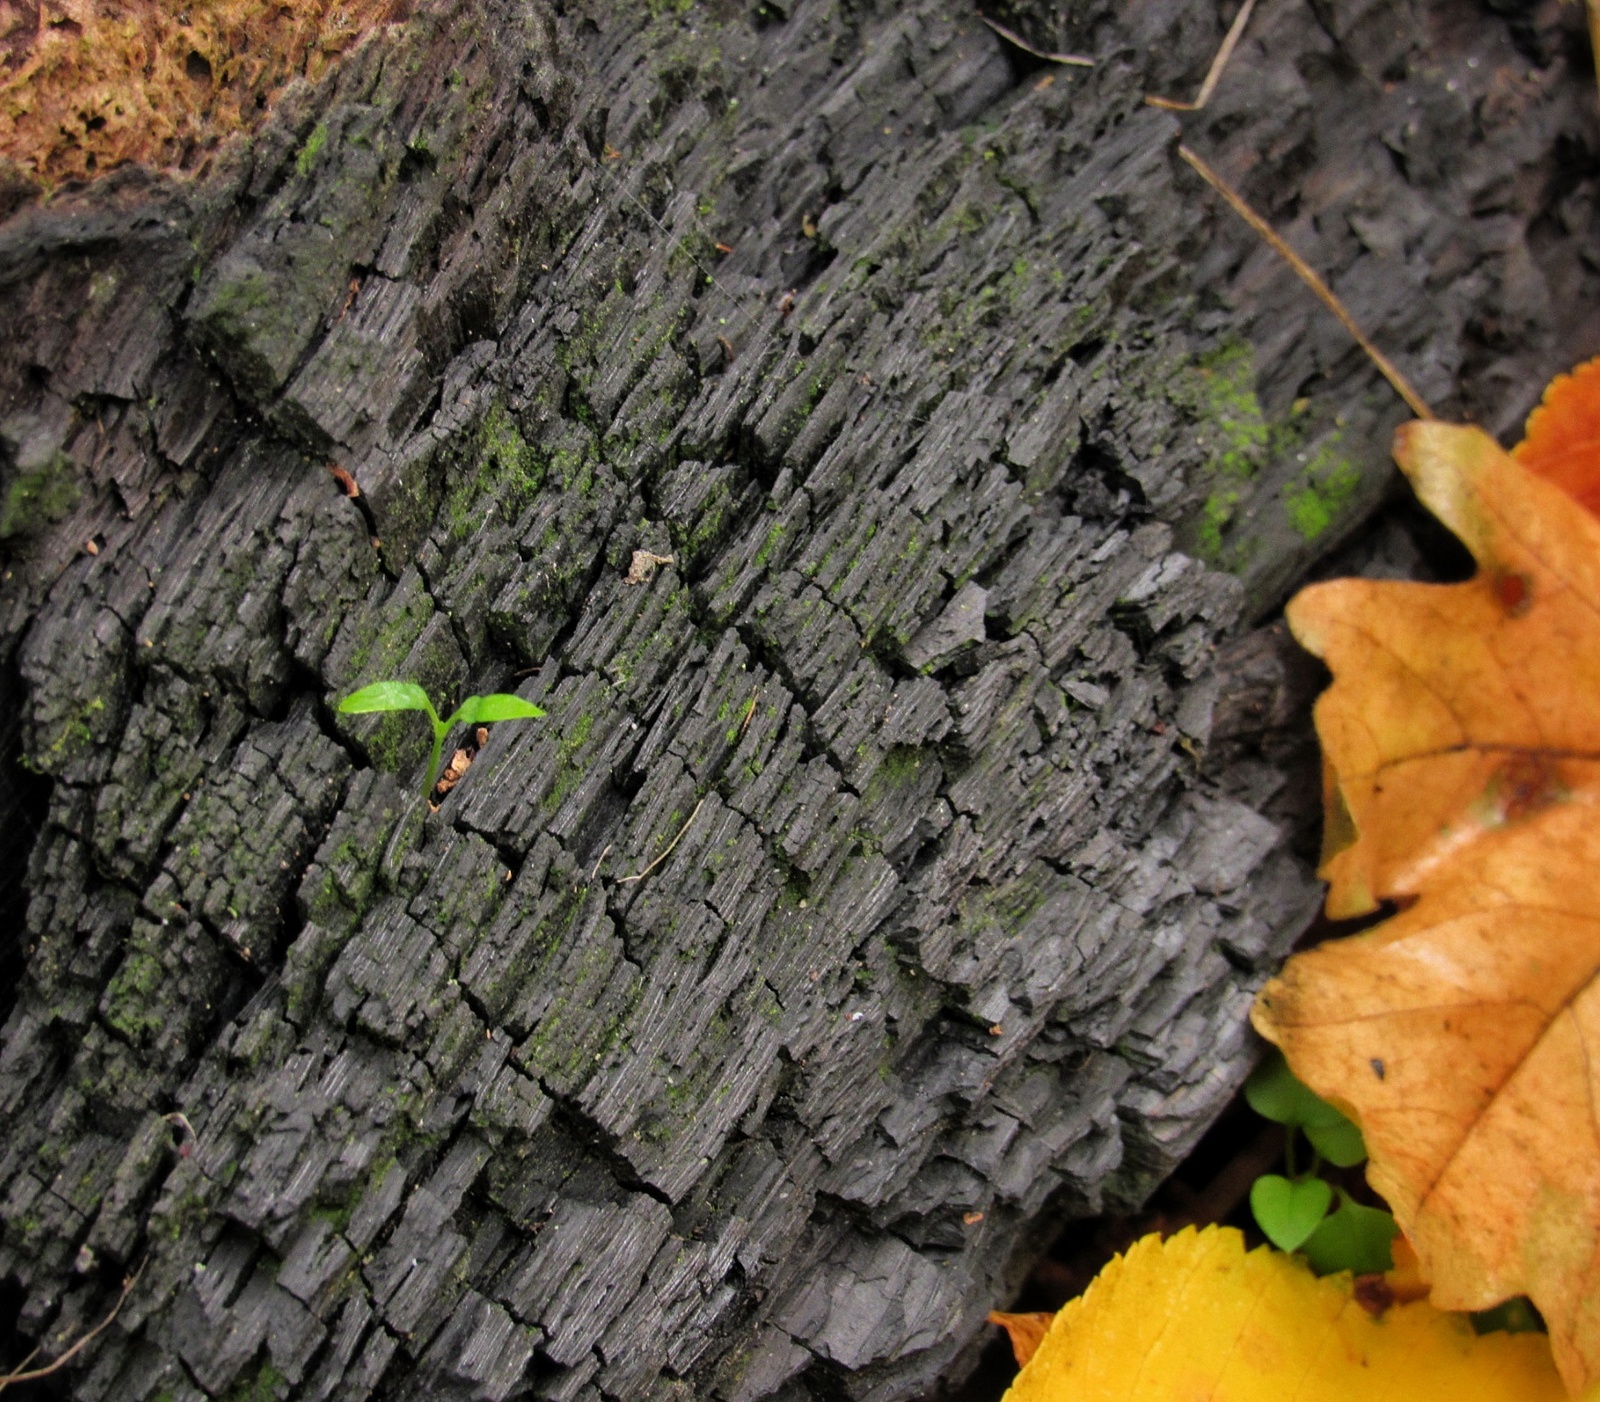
(972, 433)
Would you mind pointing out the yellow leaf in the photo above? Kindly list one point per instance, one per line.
(1197, 1319)
(1461, 741)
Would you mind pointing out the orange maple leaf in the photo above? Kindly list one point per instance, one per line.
(1461, 741)
(1563, 436)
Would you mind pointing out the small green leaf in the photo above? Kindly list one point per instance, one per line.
(1289, 1210)
(1341, 1144)
(386, 696)
(477, 709)
(1276, 1093)
(1355, 1238)
(1514, 1316)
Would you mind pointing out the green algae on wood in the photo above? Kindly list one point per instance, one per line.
(1232, 434)
(41, 494)
(1323, 492)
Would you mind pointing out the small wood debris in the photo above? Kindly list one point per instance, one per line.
(786, 302)
(610, 153)
(808, 226)
(351, 294)
(723, 247)
(643, 566)
(92, 546)
(455, 771)
(972, 1218)
(727, 348)
(347, 483)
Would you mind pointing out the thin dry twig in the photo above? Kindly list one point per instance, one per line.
(33, 1353)
(1308, 275)
(25, 1375)
(1214, 75)
(749, 711)
(627, 880)
(1011, 37)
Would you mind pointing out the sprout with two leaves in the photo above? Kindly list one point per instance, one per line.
(408, 696)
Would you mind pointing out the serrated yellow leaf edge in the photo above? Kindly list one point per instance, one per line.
(1197, 1318)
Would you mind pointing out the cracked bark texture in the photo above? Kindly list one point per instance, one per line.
(973, 458)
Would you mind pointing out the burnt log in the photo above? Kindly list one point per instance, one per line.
(875, 886)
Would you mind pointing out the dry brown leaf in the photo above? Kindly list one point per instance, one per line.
(1461, 741)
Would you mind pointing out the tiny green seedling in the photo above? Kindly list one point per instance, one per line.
(408, 696)
(1293, 1210)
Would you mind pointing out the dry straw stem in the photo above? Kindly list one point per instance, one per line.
(1308, 275)
(27, 1375)
(640, 876)
(1214, 76)
(103, 82)
(1011, 37)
